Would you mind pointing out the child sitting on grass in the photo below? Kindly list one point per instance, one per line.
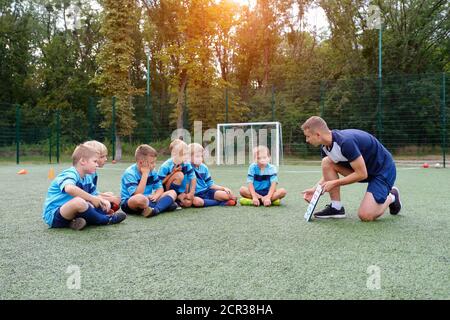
(262, 181)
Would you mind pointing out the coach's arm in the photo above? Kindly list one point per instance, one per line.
(359, 173)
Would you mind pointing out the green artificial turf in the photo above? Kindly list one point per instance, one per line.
(230, 252)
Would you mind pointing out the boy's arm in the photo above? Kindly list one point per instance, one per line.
(272, 188)
(156, 195)
(251, 188)
(74, 191)
(145, 170)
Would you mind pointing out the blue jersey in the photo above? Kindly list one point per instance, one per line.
(204, 181)
(130, 181)
(167, 167)
(262, 180)
(347, 145)
(57, 197)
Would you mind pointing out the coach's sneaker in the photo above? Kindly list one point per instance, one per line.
(117, 217)
(330, 212)
(276, 202)
(396, 206)
(245, 202)
(77, 224)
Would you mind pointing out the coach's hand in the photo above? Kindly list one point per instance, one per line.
(327, 186)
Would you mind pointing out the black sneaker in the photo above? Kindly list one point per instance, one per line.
(396, 206)
(117, 217)
(330, 212)
(77, 224)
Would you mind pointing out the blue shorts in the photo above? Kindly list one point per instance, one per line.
(380, 186)
(207, 194)
(263, 192)
(174, 187)
(125, 208)
(59, 221)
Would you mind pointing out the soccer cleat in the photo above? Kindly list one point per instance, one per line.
(330, 212)
(396, 206)
(245, 202)
(276, 202)
(230, 203)
(77, 224)
(148, 212)
(117, 217)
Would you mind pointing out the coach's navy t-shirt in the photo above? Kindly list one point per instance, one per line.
(349, 144)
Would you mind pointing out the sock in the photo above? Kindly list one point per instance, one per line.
(392, 197)
(94, 217)
(163, 203)
(336, 204)
(210, 203)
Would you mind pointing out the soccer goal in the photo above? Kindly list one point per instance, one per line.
(235, 141)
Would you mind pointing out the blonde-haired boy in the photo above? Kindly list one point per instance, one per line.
(72, 198)
(207, 193)
(177, 174)
(102, 158)
(141, 189)
(262, 181)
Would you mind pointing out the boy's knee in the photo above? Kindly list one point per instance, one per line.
(178, 177)
(198, 202)
(327, 163)
(80, 203)
(186, 203)
(243, 191)
(140, 200)
(282, 192)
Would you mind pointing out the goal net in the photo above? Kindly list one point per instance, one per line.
(235, 141)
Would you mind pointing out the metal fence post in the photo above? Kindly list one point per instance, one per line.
(444, 120)
(113, 128)
(18, 114)
(58, 133)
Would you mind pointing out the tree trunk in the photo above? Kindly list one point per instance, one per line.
(180, 100)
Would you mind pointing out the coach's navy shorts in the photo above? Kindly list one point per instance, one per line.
(59, 221)
(380, 186)
(207, 194)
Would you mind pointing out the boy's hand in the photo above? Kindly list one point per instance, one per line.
(255, 201)
(308, 194)
(227, 190)
(105, 205)
(96, 202)
(266, 201)
(153, 197)
(145, 167)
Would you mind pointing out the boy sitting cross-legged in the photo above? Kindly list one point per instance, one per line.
(72, 198)
(207, 193)
(262, 181)
(177, 174)
(138, 183)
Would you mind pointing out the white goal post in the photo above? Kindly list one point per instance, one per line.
(232, 136)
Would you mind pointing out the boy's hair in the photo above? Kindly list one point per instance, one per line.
(260, 149)
(175, 146)
(144, 151)
(98, 146)
(195, 147)
(315, 124)
(83, 152)
(175, 143)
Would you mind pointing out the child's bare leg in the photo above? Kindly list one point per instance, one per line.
(198, 202)
(170, 193)
(278, 194)
(176, 178)
(222, 196)
(138, 202)
(245, 192)
(71, 209)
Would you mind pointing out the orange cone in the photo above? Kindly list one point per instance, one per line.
(51, 174)
(23, 171)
